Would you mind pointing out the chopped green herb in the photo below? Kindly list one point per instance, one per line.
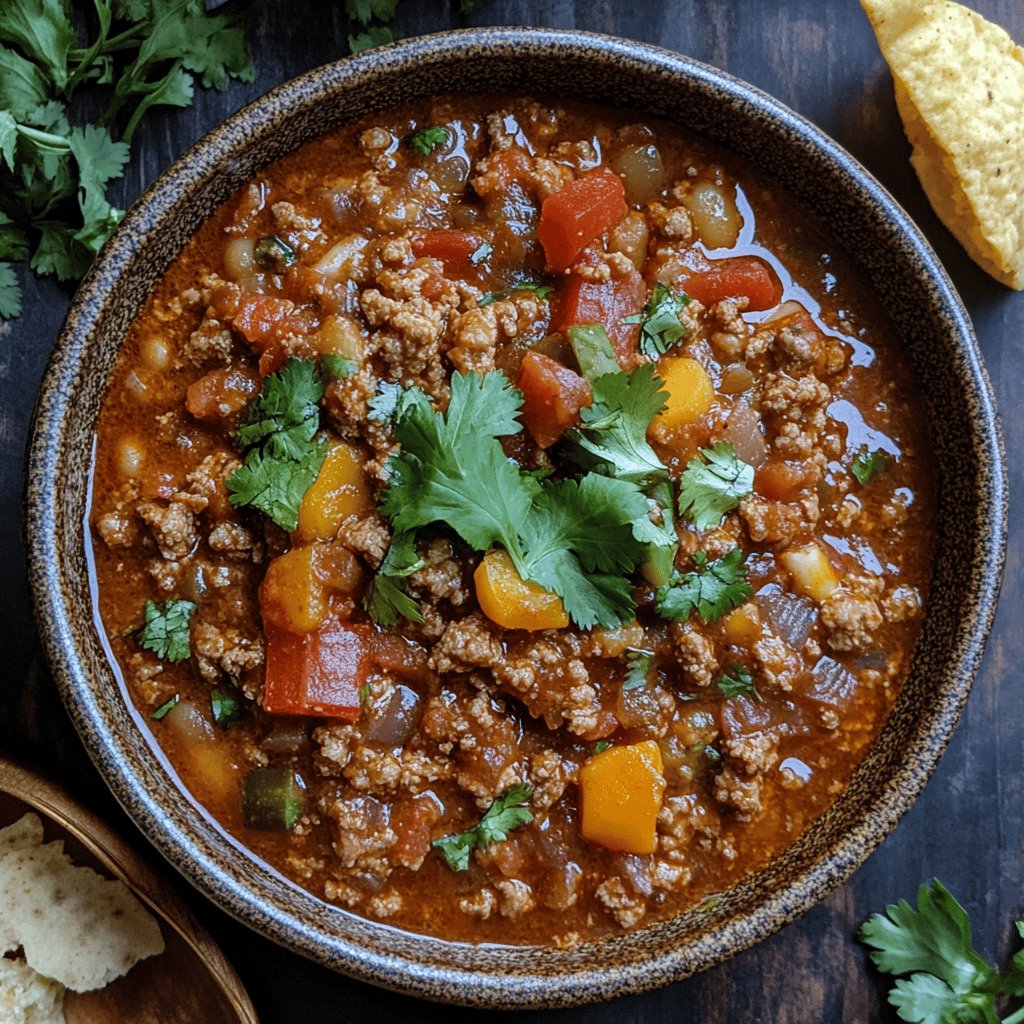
(711, 590)
(384, 404)
(279, 430)
(338, 367)
(638, 664)
(426, 140)
(481, 253)
(542, 291)
(867, 465)
(739, 683)
(386, 600)
(709, 489)
(593, 350)
(165, 707)
(226, 708)
(601, 746)
(273, 253)
(364, 11)
(945, 978)
(508, 812)
(660, 327)
(364, 694)
(375, 35)
(571, 537)
(134, 55)
(165, 629)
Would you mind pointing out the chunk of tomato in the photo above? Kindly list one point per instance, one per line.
(608, 303)
(736, 276)
(449, 245)
(263, 319)
(571, 218)
(552, 397)
(316, 673)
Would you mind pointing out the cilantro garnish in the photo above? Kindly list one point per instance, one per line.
(948, 980)
(426, 140)
(273, 253)
(739, 683)
(279, 429)
(386, 600)
(226, 708)
(709, 489)
(165, 629)
(53, 173)
(660, 327)
(165, 707)
(572, 537)
(593, 350)
(337, 367)
(508, 812)
(638, 664)
(867, 465)
(601, 746)
(542, 291)
(384, 404)
(364, 694)
(375, 35)
(481, 253)
(711, 590)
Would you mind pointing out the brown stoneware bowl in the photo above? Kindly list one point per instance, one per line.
(851, 206)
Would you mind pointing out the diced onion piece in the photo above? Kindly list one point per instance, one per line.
(239, 258)
(832, 684)
(743, 431)
(690, 392)
(396, 718)
(337, 260)
(155, 352)
(510, 601)
(130, 459)
(736, 379)
(630, 238)
(621, 790)
(811, 571)
(339, 492)
(292, 595)
(790, 616)
(642, 172)
(716, 218)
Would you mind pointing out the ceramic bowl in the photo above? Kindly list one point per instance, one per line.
(896, 261)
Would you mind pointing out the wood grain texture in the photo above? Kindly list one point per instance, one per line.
(968, 827)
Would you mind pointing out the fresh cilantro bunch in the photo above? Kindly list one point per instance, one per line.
(279, 430)
(573, 537)
(509, 811)
(54, 172)
(945, 980)
(711, 590)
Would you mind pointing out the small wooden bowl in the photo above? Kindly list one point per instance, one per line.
(190, 981)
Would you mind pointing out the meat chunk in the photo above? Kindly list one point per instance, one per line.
(850, 620)
(627, 907)
(466, 644)
(696, 654)
(362, 834)
(116, 529)
(210, 342)
(220, 650)
(738, 791)
(173, 526)
(367, 536)
(515, 898)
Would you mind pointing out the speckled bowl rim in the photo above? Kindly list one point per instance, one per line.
(480, 976)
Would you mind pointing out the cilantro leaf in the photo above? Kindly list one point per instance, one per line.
(709, 489)
(867, 465)
(612, 435)
(376, 35)
(275, 486)
(660, 327)
(22, 84)
(338, 367)
(711, 590)
(739, 683)
(10, 292)
(161, 712)
(386, 600)
(165, 629)
(41, 30)
(226, 708)
(426, 140)
(593, 351)
(364, 11)
(638, 664)
(542, 291)
(509, 811)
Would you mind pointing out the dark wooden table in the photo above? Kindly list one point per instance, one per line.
(818, 56)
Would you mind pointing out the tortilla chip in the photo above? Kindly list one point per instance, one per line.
(27, 997)
(960, 92)
(74, 925)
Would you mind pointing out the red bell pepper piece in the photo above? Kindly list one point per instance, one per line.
(736, 276)
(552, 397)
(449, 245)
(573, 217)
(263, 319)
(608, 303)
(316, 673)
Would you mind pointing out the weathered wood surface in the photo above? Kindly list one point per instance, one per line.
(968, 827)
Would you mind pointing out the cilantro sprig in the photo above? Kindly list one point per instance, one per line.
(386, 600)
(165, 629)
(660, 328)
(943, 978)
(867, 465)
(638, 665)
(542, 291)
(573, 537)
(713, 484)
(278, 430)
(509, 811)
(426, 140)
(712, 589)
(54, 173)
(739, 684)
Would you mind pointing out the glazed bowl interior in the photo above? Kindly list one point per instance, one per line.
(853, 209)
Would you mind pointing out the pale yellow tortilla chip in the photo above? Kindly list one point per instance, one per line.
(960, 91)
(27, 997)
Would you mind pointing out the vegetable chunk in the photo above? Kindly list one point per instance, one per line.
(573, 217)
(510, 601)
